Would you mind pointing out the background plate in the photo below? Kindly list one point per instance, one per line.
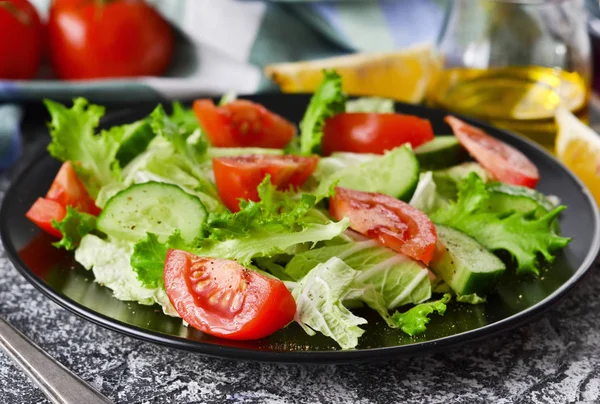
(56, 274)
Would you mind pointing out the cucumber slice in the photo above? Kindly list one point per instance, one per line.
(396, 174)
(442, 152)
(136, 139)
(464, 264)
(506, 197)
(153, 207)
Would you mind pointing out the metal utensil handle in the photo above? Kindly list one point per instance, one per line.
(58, 383)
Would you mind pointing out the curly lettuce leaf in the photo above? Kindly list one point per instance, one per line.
(523, 237)
(447, 180)
(326, 102)
(148, 258)
(183, 117)
(274, 225)
(268, 242)
(191, 144)
(276, 211)
(74, 139)
(415, 320)
(74, 226)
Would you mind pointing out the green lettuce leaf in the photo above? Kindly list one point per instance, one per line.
(184, 118)
(74, 139)
(319, 303)
(148, 258)
(370, 104)
(190, 145)
(447, 180)
(227, 98)
(400, 280)
(326, 102)
(73, 227)
(268, 242)
(280, 221)
(415, 320)
(109, 259)
(473, 298)
(515, 232)
(426, 197)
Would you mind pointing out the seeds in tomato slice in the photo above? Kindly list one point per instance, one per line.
(216, 288)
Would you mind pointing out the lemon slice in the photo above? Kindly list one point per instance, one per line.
(578, 147)
(402, 75)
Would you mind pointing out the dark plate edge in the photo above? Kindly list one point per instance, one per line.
(315, 357)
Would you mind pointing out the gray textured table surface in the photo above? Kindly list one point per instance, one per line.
(555, 359)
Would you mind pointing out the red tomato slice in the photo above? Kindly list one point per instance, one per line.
(238, 177)
(67, 189)
(373, 133)
(43, 211)
(243, 123)
(504, 162)
(222, 298)
(394, 223)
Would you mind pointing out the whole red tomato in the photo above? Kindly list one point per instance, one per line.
(99, 39)
(20, 40)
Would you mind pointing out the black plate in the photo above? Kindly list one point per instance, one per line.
(57, 275)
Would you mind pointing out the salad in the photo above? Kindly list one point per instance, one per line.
(227, 217)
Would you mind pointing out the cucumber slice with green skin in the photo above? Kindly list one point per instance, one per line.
(464, 264)
(135, 140)
(153, 207)
(396, 174)
(442, 152)
(506, 197)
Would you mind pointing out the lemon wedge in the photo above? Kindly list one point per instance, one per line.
(401, 75)
(578, 147)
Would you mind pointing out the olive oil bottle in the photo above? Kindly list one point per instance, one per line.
(521, 99)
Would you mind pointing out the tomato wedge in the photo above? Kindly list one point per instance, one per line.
(503, 161)
(43, 211)
(222, 298)
(238, 177)
(68, 190)
(359, 132)
(243, 123)
(394, 223)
